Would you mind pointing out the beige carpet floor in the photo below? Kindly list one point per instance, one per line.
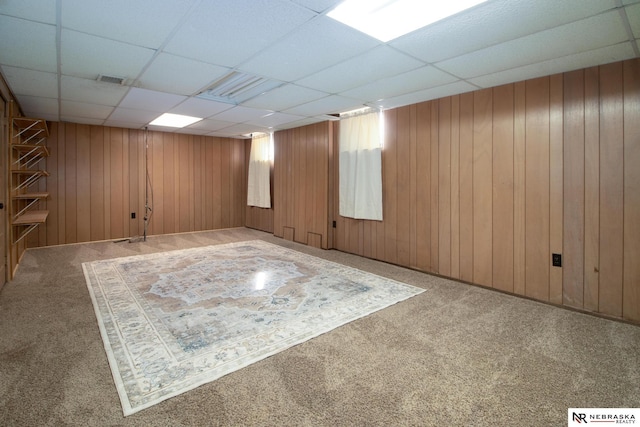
(454, 355)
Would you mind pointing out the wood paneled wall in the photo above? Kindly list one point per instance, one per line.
(485, 186)
(301, 184)
(97, 179)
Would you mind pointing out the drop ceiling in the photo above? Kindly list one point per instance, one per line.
(53, 53)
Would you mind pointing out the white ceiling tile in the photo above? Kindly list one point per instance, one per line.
(34, 106)
(330, 105)
(239, 129)
(284, 97)
(426, 95)
(83, 109)
(35, 48)
(29, 82)
(188, 130)
(170, 73)
(492, 23)
(130, 115)
(320, 44)
(589, 34)
(142, 22)
(208, 125)
(291, 41)
(87, 56)
(275, 119)
(143, 99)
(318, 5)
(241, 114)
(81, 120)
(91, 91)
(633, 13)
(35, 10)
(197, 107)
(303, 122)
(603, 55)
(416, 80)
(227, 32)
(125, 124)
(374, 65)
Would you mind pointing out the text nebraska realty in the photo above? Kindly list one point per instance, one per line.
(611, 418)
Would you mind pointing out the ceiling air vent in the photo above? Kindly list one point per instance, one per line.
(237, 87)
(111, 79)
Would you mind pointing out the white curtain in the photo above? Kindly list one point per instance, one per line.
(259, 188)
(361, 167)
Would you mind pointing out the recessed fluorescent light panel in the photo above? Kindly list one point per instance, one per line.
(174, 120)
(390, 19)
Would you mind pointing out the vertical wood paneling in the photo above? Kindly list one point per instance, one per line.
(413, 186)
(225, 168)
(126, 138)
(134, 167)
(466, 187)
(52, 183)
(83, 188)
(209, 168)
(574, 209)
(555, 183)
(99, 179)
(168, 196)
(455, 187)
(197, 184)
(519, 202)
(403, 197)
(390, 185)
(184, 178)
(482, 182)
(538, 257)
(592, 189)
(216, 166)
(106, 156)
(569, 143)
(312, 189)
(62, 180)
(117, 213)
(156, 189)
(301, 185)
(435, 201)
(502, 209)
(611, 189)
(423, 190)
(444, 186)
(631, 281)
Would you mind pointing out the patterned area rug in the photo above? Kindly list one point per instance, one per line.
(175, 320)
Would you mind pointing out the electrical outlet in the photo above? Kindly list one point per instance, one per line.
(556, 260)
(133, 215)
(334, 224)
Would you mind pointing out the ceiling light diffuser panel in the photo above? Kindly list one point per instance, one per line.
(387, 20)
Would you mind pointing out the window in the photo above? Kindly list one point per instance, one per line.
(260, 160)
(360, 160)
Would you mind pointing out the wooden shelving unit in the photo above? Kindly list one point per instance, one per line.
(28, 149)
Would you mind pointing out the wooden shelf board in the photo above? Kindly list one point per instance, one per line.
(30, 172)
(25, 122)
(40, 149)
(31, 217)
(27, 196)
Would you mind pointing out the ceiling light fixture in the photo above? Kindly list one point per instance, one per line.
(236, 87)
(390, 19)
(175, 120)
